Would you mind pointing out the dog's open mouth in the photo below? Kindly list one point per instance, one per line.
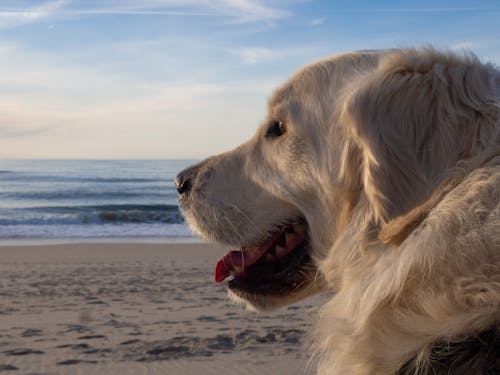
(272, 267)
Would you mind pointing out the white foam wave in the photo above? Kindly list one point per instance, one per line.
(95, 231)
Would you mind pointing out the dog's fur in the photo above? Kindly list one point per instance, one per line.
(393, 159)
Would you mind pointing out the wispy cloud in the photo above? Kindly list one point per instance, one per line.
(237, 11)
(13, 17)
(249, 10)
(26, 131)
(58, 107)
(317, 21)
(255, 55)
(19, 121)
(465, 45)
(260, 55)
(418, 10)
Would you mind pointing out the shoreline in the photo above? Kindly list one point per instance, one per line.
(112, 252)
(44, 241)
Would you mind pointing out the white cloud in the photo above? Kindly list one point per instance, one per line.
(239, 11)
(54, 108)
(249, 10)
(20, 118)
(255, 55)
(457, 9)
(177, 120)
(465, 45)
(258, 55)
(16, 17)
(317, 21)
(9, 131)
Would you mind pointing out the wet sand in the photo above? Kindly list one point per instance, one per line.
(137, 309)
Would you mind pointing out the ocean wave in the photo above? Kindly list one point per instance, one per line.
(58, 195)
(95, 214)
(95, 231)
(33, 178)
(80, 198)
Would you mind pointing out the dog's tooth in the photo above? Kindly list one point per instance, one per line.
(300, 229)
(237, 269)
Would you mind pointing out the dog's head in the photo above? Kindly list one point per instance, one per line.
(367, 133)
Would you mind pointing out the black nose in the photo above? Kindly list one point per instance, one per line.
(183, 182)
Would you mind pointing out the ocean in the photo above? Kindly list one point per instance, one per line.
(90, 199)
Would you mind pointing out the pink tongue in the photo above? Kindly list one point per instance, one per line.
(237, 260)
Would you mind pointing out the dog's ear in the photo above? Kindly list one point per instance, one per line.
(413, 119)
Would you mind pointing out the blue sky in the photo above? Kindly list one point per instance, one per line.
(185, 78)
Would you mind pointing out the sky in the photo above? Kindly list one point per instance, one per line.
(155, 79)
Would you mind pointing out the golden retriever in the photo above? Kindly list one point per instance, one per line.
(375, 178)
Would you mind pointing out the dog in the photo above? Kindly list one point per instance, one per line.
(374, 179)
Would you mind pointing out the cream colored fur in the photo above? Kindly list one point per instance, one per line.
(393, 158)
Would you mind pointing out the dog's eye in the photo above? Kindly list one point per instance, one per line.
(276, 129)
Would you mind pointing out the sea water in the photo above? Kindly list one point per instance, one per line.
(90, 199)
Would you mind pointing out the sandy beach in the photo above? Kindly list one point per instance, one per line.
(137, 309)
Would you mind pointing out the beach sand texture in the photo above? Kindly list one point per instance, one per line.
(136, 309)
